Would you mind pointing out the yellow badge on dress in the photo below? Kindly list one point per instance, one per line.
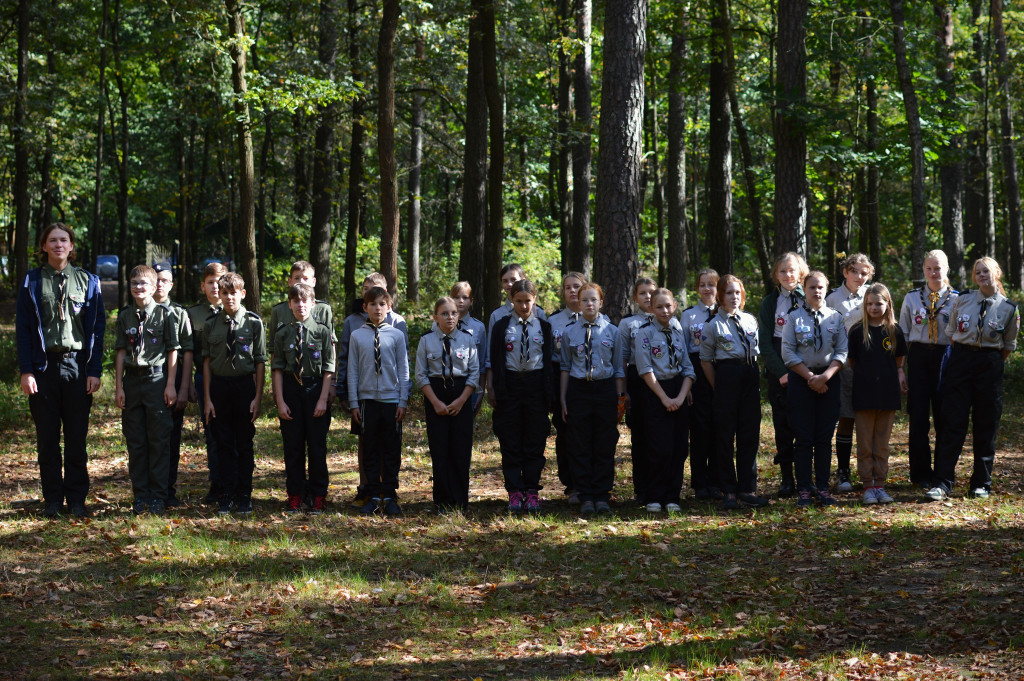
(887, 344)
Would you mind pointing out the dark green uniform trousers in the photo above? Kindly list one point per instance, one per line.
(146, 423)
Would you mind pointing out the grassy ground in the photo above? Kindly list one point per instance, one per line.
(912, 590)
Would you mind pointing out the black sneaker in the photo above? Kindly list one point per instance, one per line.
(752, 500)
(225, 507)
(803, 499)
(53, 509)
(716, 493)
(78, 509)
(213, 496)
(730, 503)
(787, 487)
(243, 506)
(174, 502)
(826, 498)
(158, 507)
(843, 483)
(587, 508)
(391, 507)
(140, 506)
(370, 507)
(701, 494)
(602, 507)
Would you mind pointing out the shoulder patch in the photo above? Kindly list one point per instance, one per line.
(252, 315)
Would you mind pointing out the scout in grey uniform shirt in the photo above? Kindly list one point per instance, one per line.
(605, 350)
(786, 303)
(815, 345)
(506, 311)
(693, 321)
(628, 328)
(464, 357)
(723, 338)
(523, 356)
(475, 328)
(982, 322)
(560, 322)
(921, 323)
(653, 353)
(847, 303)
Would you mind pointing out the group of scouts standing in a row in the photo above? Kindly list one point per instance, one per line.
(688, 384)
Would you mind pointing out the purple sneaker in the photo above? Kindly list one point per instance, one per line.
(532, 503)
(515, 502)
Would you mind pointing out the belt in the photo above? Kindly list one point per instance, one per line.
(736, 361)
(974, 348)
(143, 371)
(62, 353)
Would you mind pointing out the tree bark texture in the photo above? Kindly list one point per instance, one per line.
(979, 204)
(494, 233)
(620, 152)
(579, 256)
(120, 159)
(323, 157)
(917, 193)
(1011, 184)
(246, 181)
(386, 144)
(564, 143)
(719, 180)
(355, 165)
(951, 168)
(474, 174)
(20, 135)
(790, 135)
(412, 230)
(675, 162)
(97, 188)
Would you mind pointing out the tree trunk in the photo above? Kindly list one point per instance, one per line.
(300, 164)
(979, 206)
(719, 180)
(579, 257)
(246, 181)
(790, 133)
(675, 195)
(47, 193)
(620, 152)
(120, 158)
(412, 247)
(494, 233)
(565, 205)
(355, 166)
(658, 191)
(97, 191)
(474, 174)
(386, 144)
(917, 195)
(951, 169)
(1011, 185)
(323, 157)
(20, 134)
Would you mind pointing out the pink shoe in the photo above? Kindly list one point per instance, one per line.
(532, 503)
(515, 502)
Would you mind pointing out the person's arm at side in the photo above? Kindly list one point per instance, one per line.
(94, 370)
(277, 389)
(352, 381)
(423, 380)
(119, 378)
(259, 378)
(26, 319)
(563, 388)
(171, 391)
(709, 372)
(208, 411)
(326, 391)
(404, 379)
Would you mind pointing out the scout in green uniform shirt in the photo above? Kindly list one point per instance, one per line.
(146, 341)
(303, 370)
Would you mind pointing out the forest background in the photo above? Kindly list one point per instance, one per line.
(434, 141)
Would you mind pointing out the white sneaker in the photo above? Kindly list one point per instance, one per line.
(653, 507)
(883, 496)
(979, 493)
(673, 508)
(935, 494)
(869, 496)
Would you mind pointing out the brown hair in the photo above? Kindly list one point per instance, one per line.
(801, 266)
(301, 291)
(41, 254)
(523, 286)
(375, 293)
(859, 259)
(512, 267)
(444, 300)
(214, 269)
(377, 279)
(301, 266)
(724, 282)
(143, 271)
(706, 272)
(815, 273)
(231, 282)
(460, 286)
(659, 292)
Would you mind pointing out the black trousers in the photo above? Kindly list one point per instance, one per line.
(592, 433)
(637, 433)
(212, 458)
(778, 397)
(177, 423)
(703, 462)
(737, 417)
(304, 438)
(382, 447)
(814, 417)
(924, 400)
(450, 439)
(667, 433)
(971, 387)
(146, 424)
(234, 431)
(562, 458)
(522, 427)
(61, 401)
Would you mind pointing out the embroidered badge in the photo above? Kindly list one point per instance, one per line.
(780, 320)
(316, 354)
(656, 351)
(246, 348)
(579, 350)
(508, 347)
(887, 343)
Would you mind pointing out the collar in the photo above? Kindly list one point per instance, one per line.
(851, 295)
(148, 309)
(53, 272)
(516, 319)
(238, 316)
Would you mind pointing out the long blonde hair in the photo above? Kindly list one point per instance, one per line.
(939, 255)
(888, 319)
(994, 268)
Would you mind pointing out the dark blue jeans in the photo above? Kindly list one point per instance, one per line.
(813, 417)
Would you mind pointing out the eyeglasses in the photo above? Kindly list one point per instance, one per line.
(141, 284)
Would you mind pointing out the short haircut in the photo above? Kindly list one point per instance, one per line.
(858, 259)
(663, 292)
(377, 279)
(724, 282)
(513, 267)
(231, 282)
(41, 254)
(214, 269)
(300, 266)
(523, 286)
(143, 271)
(706, 272)
(461, 287)
(801, 266)
(442, 301)
(301, 292)
(376, 292)
(815, 273)
(591, 286)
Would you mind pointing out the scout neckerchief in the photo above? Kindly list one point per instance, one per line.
(298, 352)
(62, 292)
(673, 359)
(137, 350)
(981, 315)
(588, 351)
(447, 371)
(232, 337)
(377, 363)
(817, 327)
(933, 307)
(524, 343)
(743, 336)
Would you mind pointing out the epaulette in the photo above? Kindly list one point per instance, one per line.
(320, 302)
(466, 330)
(556, 312)
(1013, 305)
(283, 302)
(177, 305)
(645, 324)
(252, 315)
(689, 308)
